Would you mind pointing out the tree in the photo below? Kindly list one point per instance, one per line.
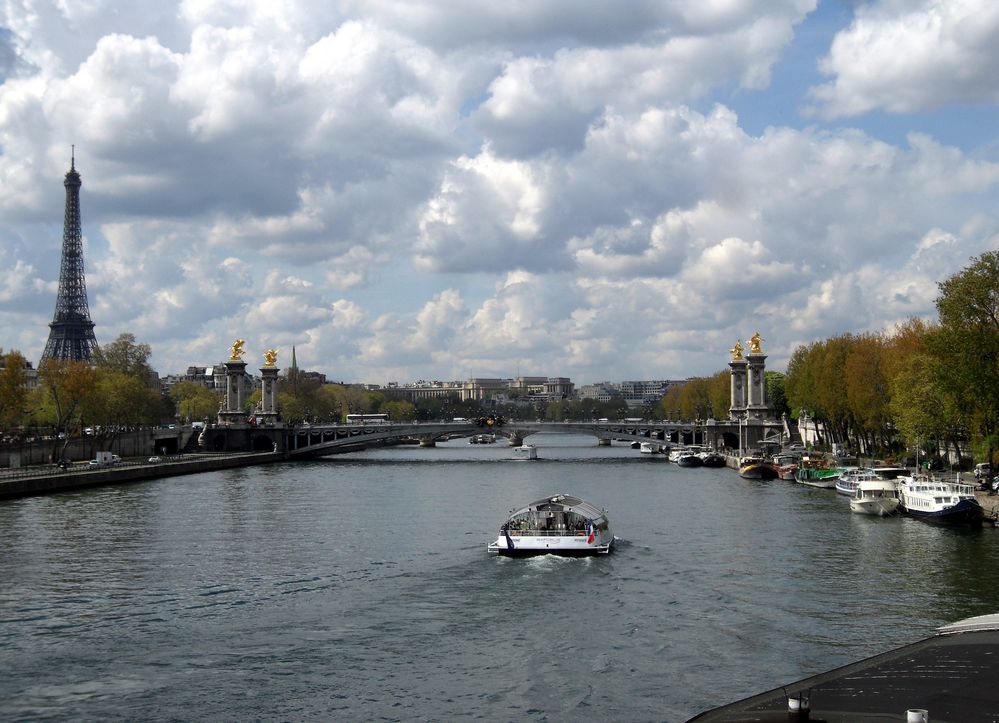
(195, 401)
(776, 394)
(800, 383)
(867, 391)
(125, 356)
(967, 344)
(65, 384)
(695, 399)
(120, 400)
(13, 388)
(399, 410)
(917, 406)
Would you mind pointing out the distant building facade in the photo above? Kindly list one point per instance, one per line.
(213, 377)
(634, 393)
(482, 389)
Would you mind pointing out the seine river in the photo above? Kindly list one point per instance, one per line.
(358, 587)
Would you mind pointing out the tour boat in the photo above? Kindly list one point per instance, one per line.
(941, 503)
(525, 451)
(875, 496)
(556, 525)
(755, 467)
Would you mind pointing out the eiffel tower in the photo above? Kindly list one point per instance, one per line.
(71, 334)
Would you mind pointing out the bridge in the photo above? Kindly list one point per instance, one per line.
(304, 441)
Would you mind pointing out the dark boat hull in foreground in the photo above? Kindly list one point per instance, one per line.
(948, 677)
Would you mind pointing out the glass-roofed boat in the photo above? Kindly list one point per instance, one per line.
(556, 525)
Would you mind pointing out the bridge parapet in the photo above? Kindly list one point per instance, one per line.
(319, 440)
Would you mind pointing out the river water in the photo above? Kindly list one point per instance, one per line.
(358, 587)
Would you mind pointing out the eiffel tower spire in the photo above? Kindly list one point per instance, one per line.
(71, 334)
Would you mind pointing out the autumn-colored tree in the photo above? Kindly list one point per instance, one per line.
(867, 392)
(13, 388)
(720, 393)
(65, 384)
(670, 402)
(695, 400)
(908, 339)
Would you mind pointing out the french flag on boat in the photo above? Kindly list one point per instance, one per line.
(592, 535)
(509, 540)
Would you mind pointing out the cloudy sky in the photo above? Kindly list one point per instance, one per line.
(406, 189)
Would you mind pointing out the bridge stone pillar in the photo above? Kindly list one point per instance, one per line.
(757, 406)
(268, 413)
(738, 365)
(235, 384)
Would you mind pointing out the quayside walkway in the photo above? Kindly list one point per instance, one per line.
(38, 480)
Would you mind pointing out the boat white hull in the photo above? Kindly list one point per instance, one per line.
(881, 508)
(557, 525)
(566, 545)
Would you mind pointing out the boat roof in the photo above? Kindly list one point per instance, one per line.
(950, 674)
(891, 470)
(876, 484)
(567, 502)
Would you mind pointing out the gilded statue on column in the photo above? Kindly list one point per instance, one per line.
(236, 350)
(736, 351)
(270, 357)
(754, 343)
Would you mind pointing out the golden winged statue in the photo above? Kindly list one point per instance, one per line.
(236, 351)
(736, 350)
(754, 343)
(270, 357)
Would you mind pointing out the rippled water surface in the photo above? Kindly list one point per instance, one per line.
(358, 587)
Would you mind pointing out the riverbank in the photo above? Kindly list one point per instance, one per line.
(38, 481)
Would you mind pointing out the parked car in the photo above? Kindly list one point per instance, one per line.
(983, 470)
(154, 460)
